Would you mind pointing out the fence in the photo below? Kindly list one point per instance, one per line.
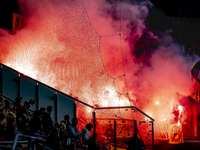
(117, 131)
(32, 142)
(116, 126)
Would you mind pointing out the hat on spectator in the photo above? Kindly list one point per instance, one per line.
(17, 99)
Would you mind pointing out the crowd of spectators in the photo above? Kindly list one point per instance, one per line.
(58, 136)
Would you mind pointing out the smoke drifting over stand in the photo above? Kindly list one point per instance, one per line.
(101, 52)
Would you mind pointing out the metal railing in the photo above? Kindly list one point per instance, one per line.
(31, 142)
(135, 122)
(94, 123)
(7, 98)
(85, 104)
(101, 146)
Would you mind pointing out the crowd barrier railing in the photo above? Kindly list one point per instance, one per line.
(31, 142)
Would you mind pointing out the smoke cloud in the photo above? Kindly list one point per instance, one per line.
(99, 51)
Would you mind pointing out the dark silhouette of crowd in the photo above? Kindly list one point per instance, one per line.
(58, 136)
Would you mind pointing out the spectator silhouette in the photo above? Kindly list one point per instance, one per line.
(10, 128)
(47, 120)
(53, 140)
(132, 141)
(74, 134)
(92, 142)
(35, 123)
(3, 125)
(67, 118)
(19, 108)
(86, 136)
(26, 108)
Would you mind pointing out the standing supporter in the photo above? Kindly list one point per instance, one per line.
(26, 108)
(26, 117)
(66, 125)
(66, 141)
(86, 136)
(47, 120)
(35, 123)
(62, 130)
(2, 103)
(10, 128)
(3, 125)
(62, 134)
(74, 134)
(132, 143)
(53, 140)
(92, 142)
(18, 101)
(67, 118)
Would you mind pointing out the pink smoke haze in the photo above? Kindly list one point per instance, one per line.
(86, 48)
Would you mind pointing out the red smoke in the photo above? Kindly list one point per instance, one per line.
(93, 50)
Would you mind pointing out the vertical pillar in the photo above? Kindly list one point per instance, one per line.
(94, 121)
(56, 106)
(152, 135)
(135, 128)
(37, 97)
(115, 135)
(18, 86)
(74, 109)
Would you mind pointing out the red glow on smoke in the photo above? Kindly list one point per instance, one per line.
(80, 48)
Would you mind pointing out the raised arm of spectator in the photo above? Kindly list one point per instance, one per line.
(72, 131)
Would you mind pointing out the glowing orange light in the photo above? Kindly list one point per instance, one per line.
(157, 103)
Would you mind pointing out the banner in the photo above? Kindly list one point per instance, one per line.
(175, 134)
(18, 22)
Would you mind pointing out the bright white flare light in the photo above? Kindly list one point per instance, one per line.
(24, 69)
(105, 103)
(178, 123)
(89, 109)
(109, 96)
(180, 108)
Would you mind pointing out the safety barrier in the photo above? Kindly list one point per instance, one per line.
(32, 141)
